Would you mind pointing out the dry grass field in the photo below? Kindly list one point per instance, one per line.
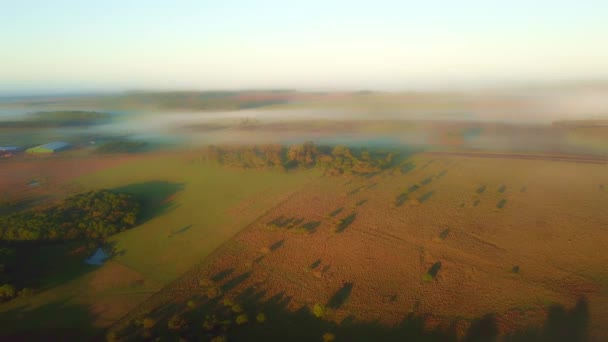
(447, 238)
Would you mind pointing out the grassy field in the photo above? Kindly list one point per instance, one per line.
(451, 244)
(193, 208)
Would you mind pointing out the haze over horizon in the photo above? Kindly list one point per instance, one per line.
(75, 47)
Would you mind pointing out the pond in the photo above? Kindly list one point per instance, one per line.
(98, 258)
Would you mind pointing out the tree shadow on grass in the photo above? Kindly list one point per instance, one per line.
(345, 222)
(336, 212)
(155, 197)
(426, 196)
(222, 274)
(57, 321)
(15, 206)
(340, 297)
(286, 323)
(277, 245)
(234, 282)
(311, 226)
(181, 230)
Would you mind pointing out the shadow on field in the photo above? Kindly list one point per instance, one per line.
(345, 222)
(181, 230)
(13, 206)
(340, 297)
(283, 322)
(57, 321)
(155, 197)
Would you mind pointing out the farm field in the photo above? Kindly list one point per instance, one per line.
(442, 247)
(192, 208)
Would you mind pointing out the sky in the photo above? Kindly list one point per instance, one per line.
(115, 45)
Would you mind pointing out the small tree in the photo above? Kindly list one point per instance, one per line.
(176, 322)
(7, 291)
(148, 323)
(261, 318)
(318, 310)
(242, 319)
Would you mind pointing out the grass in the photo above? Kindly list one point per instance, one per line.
(203, 195)
(196, 207)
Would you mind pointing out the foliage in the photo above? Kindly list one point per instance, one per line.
(329, 337)
(7, 291)
(339, 160)
(176, 322)
(261, 318)
(318, 310)
(242, 319)
(148, 323)
(95, 214)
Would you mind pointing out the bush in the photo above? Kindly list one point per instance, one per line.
(191, 304)
(26, 292)
(328, 337)
(261, 318)
(7, 291)
(318, 310)
(242, 319)
(176, 322)
(148, 323)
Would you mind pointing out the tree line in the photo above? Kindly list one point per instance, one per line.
(333, 160)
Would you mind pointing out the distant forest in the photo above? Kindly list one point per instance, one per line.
(337, 160)
(66, 118)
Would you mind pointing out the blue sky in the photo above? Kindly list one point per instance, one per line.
(116, 45)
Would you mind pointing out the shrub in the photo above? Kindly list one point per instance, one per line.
(7, 291)
(111, 337)
(148, 323)
(261, 318)
(328, 337)
(213, 292)
(219, 339)
(318, 310)
(26, 292)
(191, 304)
(242, 319)
(176, 322)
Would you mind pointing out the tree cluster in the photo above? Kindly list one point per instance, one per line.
(93, 215)
(334, 161)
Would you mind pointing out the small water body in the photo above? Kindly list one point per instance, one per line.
(98, 258)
